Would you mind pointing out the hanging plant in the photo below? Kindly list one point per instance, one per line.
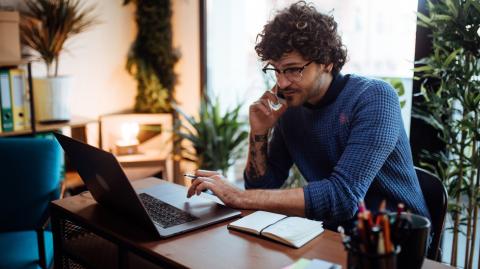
(151, 58)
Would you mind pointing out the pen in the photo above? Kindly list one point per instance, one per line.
(193, 177)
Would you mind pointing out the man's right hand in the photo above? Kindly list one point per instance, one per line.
(261, 116)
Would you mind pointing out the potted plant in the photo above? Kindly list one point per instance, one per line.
(218, 139)
(451, 93)
(45, 27)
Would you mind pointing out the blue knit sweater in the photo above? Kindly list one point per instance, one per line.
(353, 147)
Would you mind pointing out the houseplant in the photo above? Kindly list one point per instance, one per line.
(45, 28)
(218, 139)
(451, 93)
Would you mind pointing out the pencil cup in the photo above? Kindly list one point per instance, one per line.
(412, 233)
(360, 260)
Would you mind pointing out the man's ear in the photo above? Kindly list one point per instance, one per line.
(329, 68)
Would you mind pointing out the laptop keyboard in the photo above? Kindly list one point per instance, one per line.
(164, 214)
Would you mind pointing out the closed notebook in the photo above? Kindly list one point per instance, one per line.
(292, 231)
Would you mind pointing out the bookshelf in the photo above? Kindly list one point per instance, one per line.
(76, 122)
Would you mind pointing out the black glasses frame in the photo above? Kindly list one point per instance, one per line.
(278, 71)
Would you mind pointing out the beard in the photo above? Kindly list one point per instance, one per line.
(293, 96)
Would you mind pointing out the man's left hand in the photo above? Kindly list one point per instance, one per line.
(230, 195)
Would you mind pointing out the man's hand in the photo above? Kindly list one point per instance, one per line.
(261, 116)
(215, 182)
(290, 202)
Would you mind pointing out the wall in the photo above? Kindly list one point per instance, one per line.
(96, 59)
(186, 37)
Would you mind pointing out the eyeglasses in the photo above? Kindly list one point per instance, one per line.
(293, 74)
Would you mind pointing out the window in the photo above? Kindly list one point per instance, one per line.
(379, 36)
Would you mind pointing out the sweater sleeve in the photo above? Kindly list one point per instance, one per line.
(374, 131)
(279, 162)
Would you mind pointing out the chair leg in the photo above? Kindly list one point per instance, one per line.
(41, 248)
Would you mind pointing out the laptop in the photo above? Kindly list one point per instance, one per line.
(163, 210)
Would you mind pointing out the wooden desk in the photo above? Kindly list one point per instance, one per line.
(87, 235)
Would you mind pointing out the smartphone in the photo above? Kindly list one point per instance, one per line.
(280, 95)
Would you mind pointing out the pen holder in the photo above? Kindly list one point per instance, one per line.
(360, 260)
(412, 234)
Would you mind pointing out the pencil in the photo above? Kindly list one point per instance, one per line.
(386, 231)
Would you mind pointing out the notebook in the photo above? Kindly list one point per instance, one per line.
(291, 231)
(303, 263)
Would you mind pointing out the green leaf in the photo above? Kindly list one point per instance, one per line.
(452, 7)
(423, 68)
(440, 17)
(426, 20)
(451, 57)
(219, 137)
(476, 4)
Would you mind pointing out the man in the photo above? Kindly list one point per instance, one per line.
(344, 132)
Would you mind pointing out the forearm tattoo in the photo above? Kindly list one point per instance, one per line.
(256, 166)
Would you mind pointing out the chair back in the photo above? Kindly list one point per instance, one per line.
(436, 198)
(30, 172)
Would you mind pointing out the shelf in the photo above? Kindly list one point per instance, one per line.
(143, 158)
(16, 133)
(76, 121)
(13, 63)
(144, 164)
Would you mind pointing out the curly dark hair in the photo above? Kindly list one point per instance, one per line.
(302, 28)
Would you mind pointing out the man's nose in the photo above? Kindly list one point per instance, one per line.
(282, 81)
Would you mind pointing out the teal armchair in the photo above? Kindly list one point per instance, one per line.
(30, 175)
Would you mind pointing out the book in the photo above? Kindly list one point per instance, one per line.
(291, 231)
(6, 101)
(312, 264)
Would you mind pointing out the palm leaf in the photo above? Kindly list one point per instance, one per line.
(47, 25)
(217, 137)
